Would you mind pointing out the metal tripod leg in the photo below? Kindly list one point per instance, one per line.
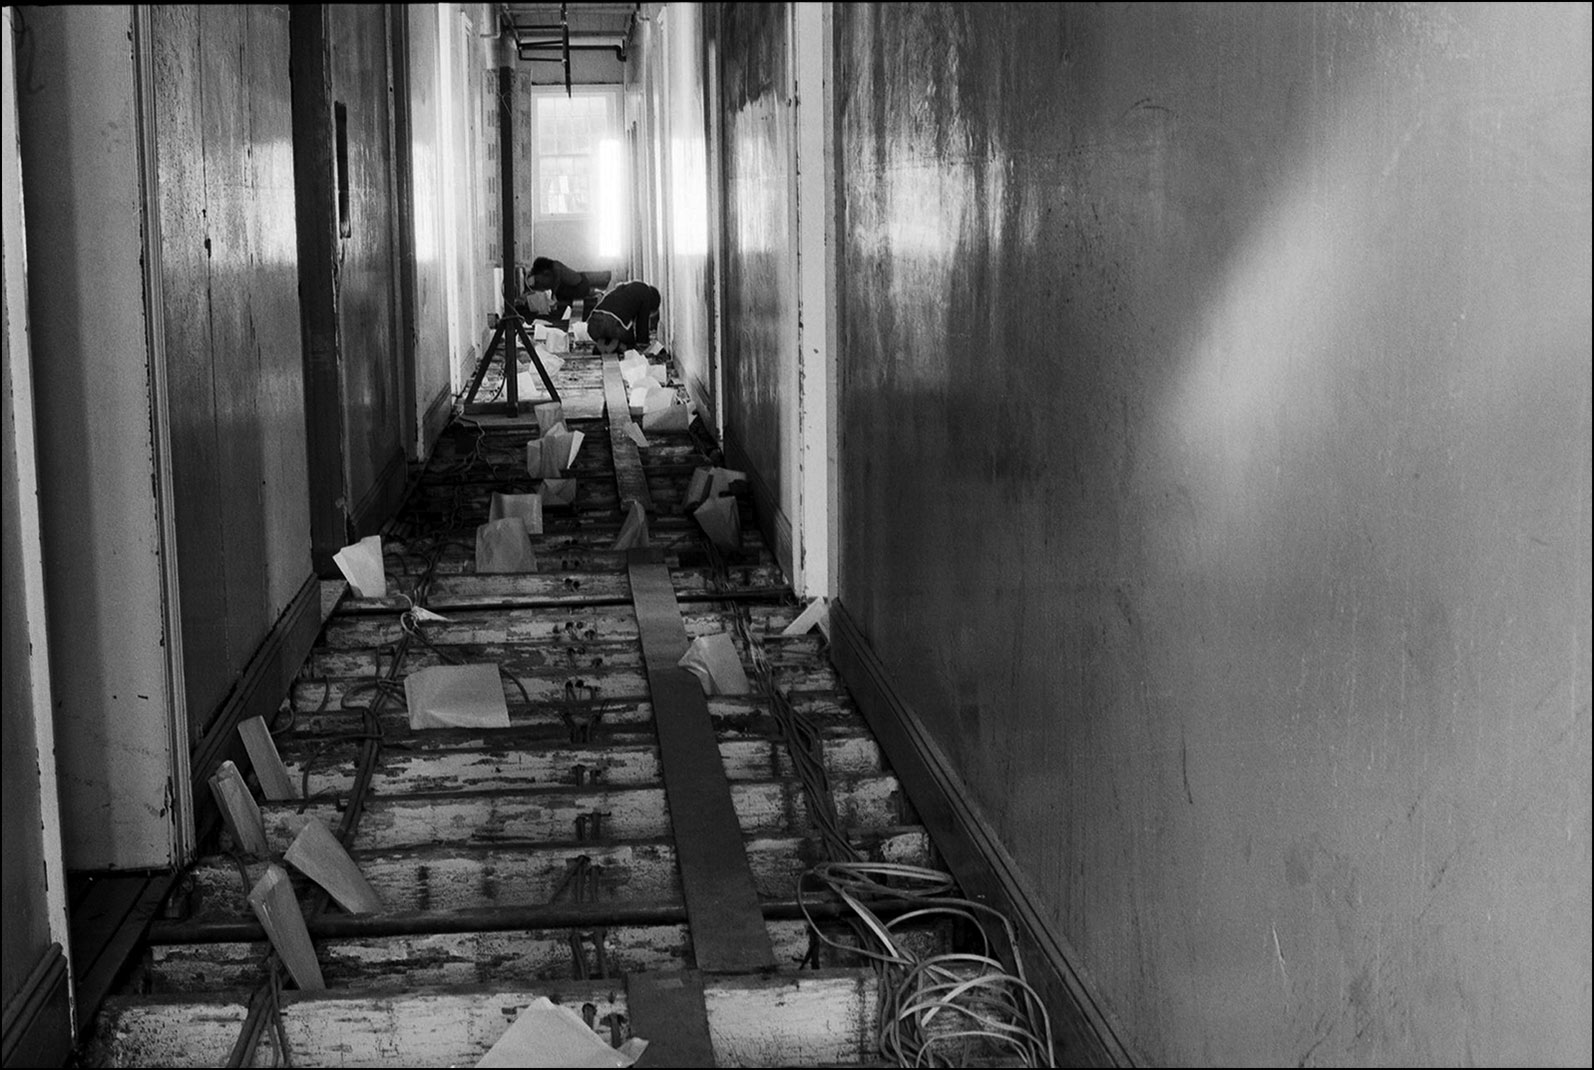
(509, 329)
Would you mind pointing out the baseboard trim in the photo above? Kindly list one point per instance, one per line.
(37, 1028)
(775, 524)
(1084, 1030)
(435, 420)
(382, 500)
(259, 692)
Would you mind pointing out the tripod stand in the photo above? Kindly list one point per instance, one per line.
(510, 327)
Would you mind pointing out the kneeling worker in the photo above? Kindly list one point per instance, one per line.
(566, 283)
(622, 318)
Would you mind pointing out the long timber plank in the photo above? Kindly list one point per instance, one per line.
(721, 901)
(630, 480)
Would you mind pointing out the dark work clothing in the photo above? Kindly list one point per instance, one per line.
(632, 305)
(569, 285)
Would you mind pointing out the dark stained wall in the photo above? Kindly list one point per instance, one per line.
(373, 396)
(759, 295)
(1215, 440)
(223, 128)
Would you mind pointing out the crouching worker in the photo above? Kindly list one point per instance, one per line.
(623, 318)
(566, 285)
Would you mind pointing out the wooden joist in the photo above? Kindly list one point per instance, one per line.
(468, 762)
(831, 711)
(821, 1017)
(559, 814)
(459, 877)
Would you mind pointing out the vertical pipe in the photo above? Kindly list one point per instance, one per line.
(506, 176)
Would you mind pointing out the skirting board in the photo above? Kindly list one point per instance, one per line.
(436, 418)
(1084, 1031)
(775, 524)
(382, 499)
(38, 1019)
(259, 692)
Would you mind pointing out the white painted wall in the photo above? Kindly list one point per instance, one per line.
(116, 649)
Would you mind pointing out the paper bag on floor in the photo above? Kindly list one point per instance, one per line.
(502, 546)
(558, 341)
(655, 348)
(578, 332)
(576, 438)
(637, 398)
(361, 564)
(548, 456)
(721, 521)
(528, 507)
(659, 373)
(539, 331)
(634, 433)
(710, 482)
(670, 418)
(717, 666)
(634, 532)
(557, 492)
(633, 368)
(551, 364)
(550, 416)
(456, 696)
(548, 1034)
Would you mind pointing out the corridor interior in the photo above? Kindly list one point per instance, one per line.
(1091, 567)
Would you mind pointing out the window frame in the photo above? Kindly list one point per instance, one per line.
(614, 94)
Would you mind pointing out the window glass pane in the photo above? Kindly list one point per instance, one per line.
(568, 131)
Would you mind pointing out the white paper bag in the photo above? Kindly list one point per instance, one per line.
(361, 565)
(717, 666)
(634, 433)
(539, 332)
(638, 396)
(576, 438)
(528, 507)
(659, 373)
(456, 696)
(558, 341)
(655, 348)
(550, 416)
(634, 532)
(669, 418)
(557, 492)
(547, 457)
(634, 368)
(502, 546)
(711, 482)
(578, 332)
(547, 1034)
(721, 521)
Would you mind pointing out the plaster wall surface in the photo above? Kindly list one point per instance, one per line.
(1215, 446)
(90, 328)
(233, 347)
(428, 158)
(689, 298)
